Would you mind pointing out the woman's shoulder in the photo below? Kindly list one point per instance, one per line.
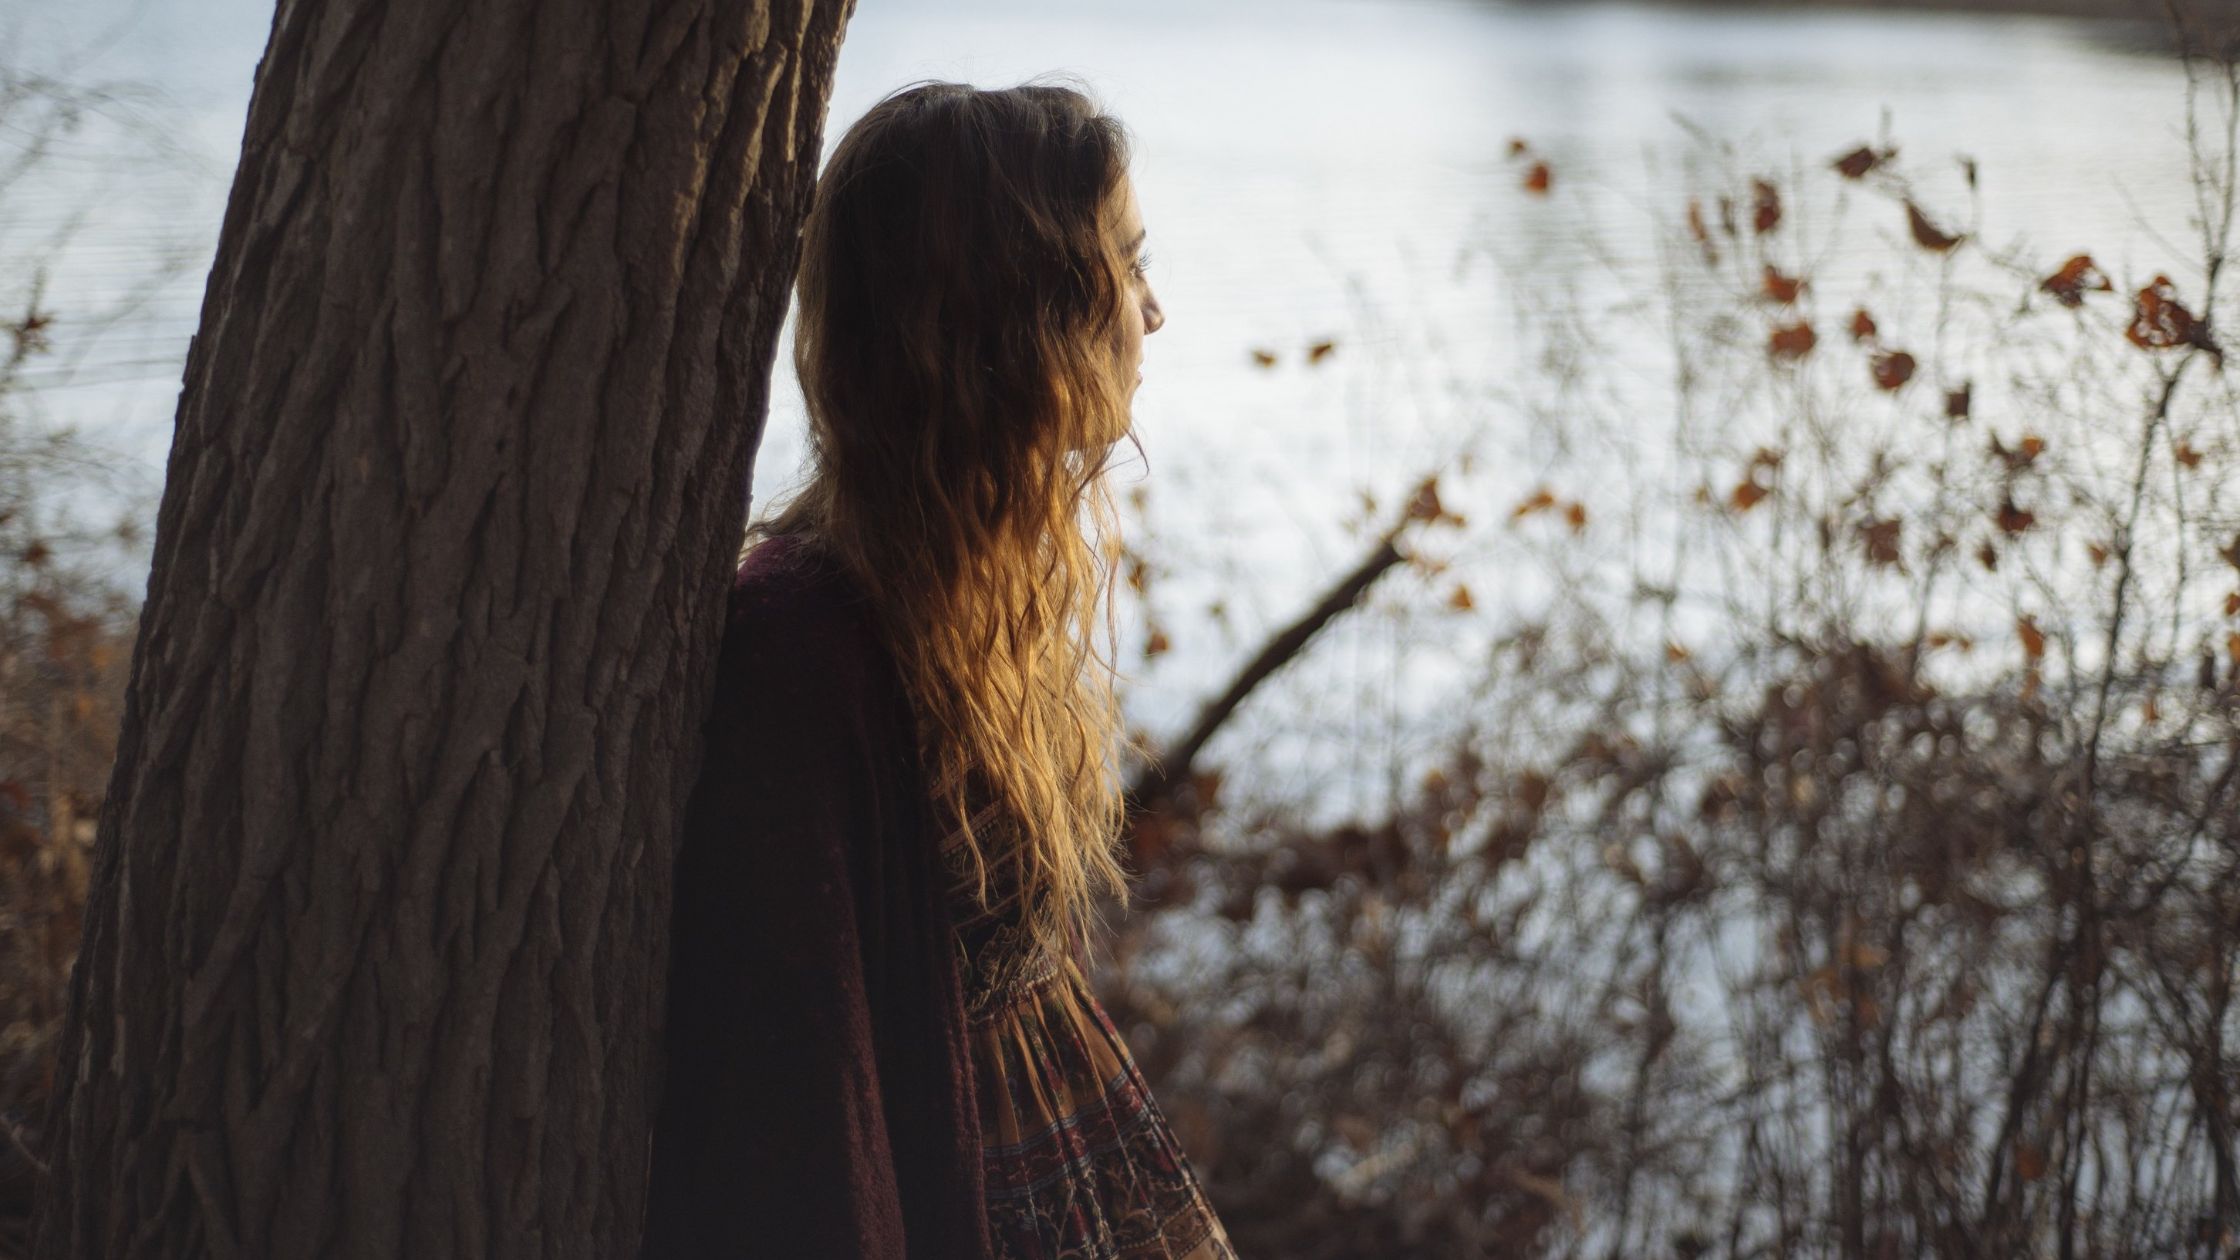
(788, 585)
(794, 613)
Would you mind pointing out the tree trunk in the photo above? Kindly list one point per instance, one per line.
(372, 961)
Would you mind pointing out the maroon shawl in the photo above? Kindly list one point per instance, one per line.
(817, 1099)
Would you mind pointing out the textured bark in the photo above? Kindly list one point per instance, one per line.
(372, 963)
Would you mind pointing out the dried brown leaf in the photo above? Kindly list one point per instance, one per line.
(2076, 277)
(1926, 234)
(1792, 341)
(1765, 206)
(1892, 369)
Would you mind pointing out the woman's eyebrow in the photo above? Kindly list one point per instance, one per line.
(1137, 243)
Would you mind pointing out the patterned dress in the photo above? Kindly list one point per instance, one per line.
(1079, 1161)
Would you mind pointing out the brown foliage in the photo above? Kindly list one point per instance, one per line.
(1856, 163)
(2160, 322)
(65, 627)
(1791, 341)
(1825, 933)
(2076, 277)
(1926, 234)
(1891, 369)
(1781, 288)
(67, 615)
(1765, 206)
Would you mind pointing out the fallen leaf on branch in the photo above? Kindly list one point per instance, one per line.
(1855, 164)
(1926, 234)
(2033, 639)
(2020, 457)
(2160, 322)
(1781, 288)
(1792, 341)
(1765, 206)
(2077, 276)
(1892, 370)
(1880, 538)
(1424, 506)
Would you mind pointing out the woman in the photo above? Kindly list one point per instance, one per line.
(880, 1042)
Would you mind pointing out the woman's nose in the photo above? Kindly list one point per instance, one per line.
(1153, 317)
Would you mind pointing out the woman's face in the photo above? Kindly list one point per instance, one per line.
(1140, 315)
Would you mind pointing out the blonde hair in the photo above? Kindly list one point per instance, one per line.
(959, 300)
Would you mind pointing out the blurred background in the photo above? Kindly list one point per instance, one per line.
(1683, 563)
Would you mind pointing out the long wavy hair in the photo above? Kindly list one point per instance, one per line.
(956, 339)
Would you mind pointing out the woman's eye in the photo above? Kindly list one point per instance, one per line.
(1143, 263)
